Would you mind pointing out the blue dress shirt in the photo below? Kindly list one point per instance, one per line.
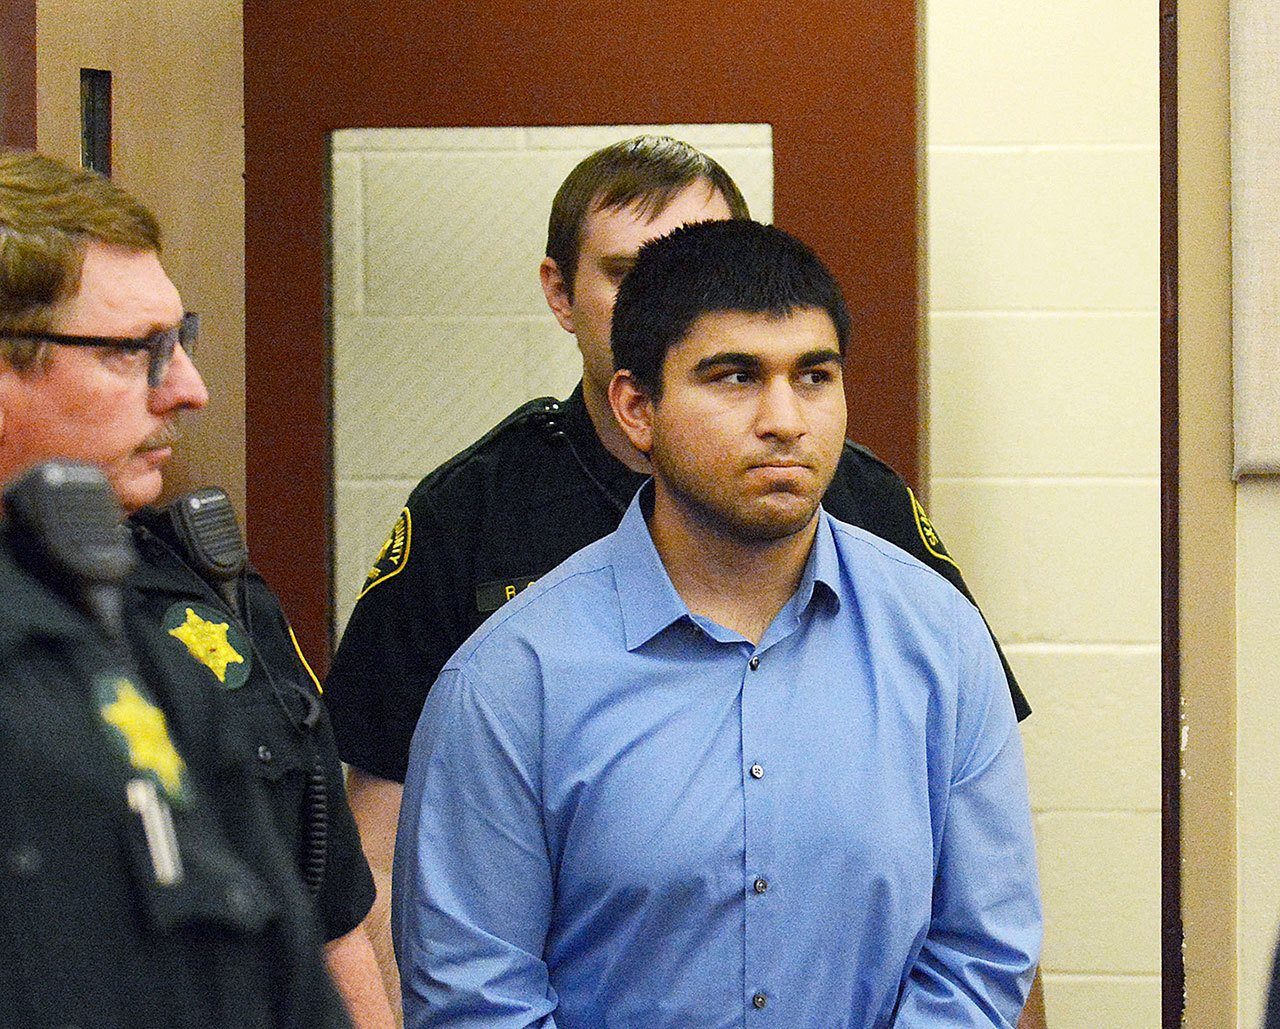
(621, 814)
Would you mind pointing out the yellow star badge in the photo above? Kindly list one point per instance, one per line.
(142, 729)
(208, 643)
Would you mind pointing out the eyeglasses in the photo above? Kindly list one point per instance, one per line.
(159, 345)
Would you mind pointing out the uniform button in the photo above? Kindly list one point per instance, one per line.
(264, 754)
(759, 1000)
(761, 885)
(754, 663)
(757, 772)
(24, 860)
(240, 899)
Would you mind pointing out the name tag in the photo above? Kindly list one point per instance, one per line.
(492, 595)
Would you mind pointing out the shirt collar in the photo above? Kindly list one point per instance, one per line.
(650, 603)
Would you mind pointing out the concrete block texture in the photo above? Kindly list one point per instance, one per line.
(1079, 71)
(1058, 560)
(1097, 712)
(1100, 883)
(1051, 229)
(1044, 394)
(412, 392)
(1102, 1002)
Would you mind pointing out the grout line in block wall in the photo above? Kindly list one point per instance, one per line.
(1043, 148)
(1049, 479)
(1057, 813)
(1122, 978)
(1043, 312)
(530, 318)
(1048, 647)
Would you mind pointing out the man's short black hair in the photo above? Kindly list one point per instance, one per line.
(710, 267)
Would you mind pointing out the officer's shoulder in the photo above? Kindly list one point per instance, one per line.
(860, 465)
(876, 552)
(492, 454)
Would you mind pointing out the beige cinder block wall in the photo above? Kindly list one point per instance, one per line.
(178, 127)
(440, 326)
(1042, 306)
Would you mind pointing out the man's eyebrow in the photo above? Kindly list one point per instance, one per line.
(732, 358)
(816, 357)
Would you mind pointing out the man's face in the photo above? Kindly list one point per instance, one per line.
(610, 241)
(93, 404)
(747, 433)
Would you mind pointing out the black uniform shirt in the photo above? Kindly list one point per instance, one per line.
(476, 531)
(184, 631)
(92, 933)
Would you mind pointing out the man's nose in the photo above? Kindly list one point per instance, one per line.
(780, 413)
(182, 387)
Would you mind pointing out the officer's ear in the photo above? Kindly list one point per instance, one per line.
(556, 290)
(633, 409)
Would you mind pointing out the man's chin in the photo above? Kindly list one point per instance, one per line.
(136, 489)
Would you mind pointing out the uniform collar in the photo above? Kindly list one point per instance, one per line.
(649, 601)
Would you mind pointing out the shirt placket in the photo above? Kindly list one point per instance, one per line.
(764, 884)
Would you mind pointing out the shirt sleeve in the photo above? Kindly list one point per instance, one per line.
(403, 629)
(979, 956)
(472, 881)
(346, 892)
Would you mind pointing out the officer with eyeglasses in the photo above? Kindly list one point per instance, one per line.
(95, 366)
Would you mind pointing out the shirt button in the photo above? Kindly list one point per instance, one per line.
(757, 772)
(754, 663)
(759, 1001)
(264, 754)
(761, 885)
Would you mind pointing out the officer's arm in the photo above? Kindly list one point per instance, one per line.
(376, 804)
(976, 964)
(353, 969)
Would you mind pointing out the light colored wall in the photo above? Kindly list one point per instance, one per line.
(1043, 253)
(178, 127)
(1255, 88)
(440, 326)
(1207, 523)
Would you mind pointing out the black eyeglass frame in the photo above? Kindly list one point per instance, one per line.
(159, 345)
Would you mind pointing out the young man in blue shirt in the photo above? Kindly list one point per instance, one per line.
(737, 763)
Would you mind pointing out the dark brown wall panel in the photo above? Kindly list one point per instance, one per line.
(18, 73)
(837, 82)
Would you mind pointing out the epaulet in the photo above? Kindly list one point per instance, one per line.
(542, 410)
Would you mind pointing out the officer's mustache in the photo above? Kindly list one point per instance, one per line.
(166, 436)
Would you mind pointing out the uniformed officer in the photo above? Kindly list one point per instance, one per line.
(95, 365)
(143, 883)
(550, 479)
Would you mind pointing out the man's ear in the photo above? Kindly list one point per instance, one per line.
(633, 410)
(556, 291)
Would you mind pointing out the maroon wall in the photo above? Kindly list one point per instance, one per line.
(18, 52)
(837, 81)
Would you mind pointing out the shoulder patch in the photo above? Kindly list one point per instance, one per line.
(928, 535)
(394, 554)
(213, 639)
(141, 734)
